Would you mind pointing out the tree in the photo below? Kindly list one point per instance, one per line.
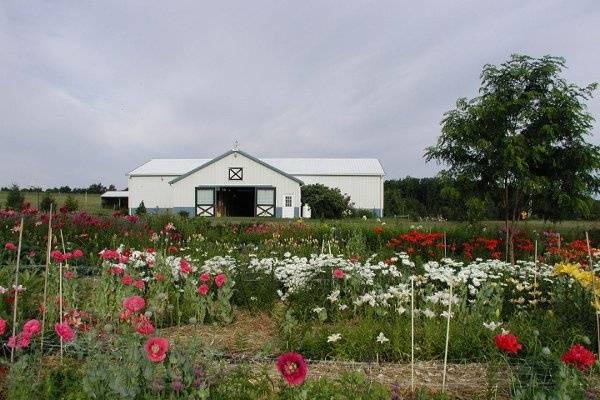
(523, 138)
(71, 204)
(141, 210)
(325, 202)
(15, 198)
(47, 200)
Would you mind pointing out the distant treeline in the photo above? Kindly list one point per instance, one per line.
(440, 197)
(94, 188)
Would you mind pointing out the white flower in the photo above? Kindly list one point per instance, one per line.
(334, 338)
(492, 326)
(381, 338)
(546, 351)
(342, 307)
(428, 313)
(318, 309)
(401, 310)
(445, 314)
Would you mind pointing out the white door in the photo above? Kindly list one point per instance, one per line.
(287, 211)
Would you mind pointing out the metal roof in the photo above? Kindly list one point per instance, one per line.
(115, 193)
(291, 166)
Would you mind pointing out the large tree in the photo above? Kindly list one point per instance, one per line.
(524, 139)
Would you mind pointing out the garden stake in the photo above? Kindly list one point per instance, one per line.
(412, 333)
(445, 244)
(14, 320)
(535, 273)
(447, 340)
(48, 247)
(559, 240)
(60, 293)
(594, 295)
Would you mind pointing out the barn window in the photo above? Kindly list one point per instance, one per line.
(288, 201)
(236, 174)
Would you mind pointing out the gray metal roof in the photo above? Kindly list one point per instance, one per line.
(291, 166)
(115, 193)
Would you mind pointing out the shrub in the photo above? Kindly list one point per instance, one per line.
(47, 200)
(141, 210)
(362, 212)
(325, 202)
(15, 198)
(184, 214)
(71, 204)
(475, 209)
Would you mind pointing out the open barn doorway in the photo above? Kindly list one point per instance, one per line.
(236, 201)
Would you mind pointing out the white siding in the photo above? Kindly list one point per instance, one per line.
(217, 174)
(155, 191)
(364, 191)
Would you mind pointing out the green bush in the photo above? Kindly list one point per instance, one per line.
(141, 209)
(71, 204)
(15, 198)
(47, 201)
(325, 202)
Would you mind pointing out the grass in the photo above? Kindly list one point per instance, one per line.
(87, 202)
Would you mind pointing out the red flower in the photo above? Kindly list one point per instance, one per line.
(184, 266)
(292, 368)
(67, 256)
(203, 289)
(21, 341)
(32, 327)
(150, 250)
(139, 284)
(133, 303)
(2, 326)
(204, 277)
(116, 270)
(126, 280)
(77, 253)
(10, 246)
(507, 342)
(143, 326)
(64, 331)
(580, 357)
(220, 280)
(68, 275)
(57, 256)
(156, 349)
(378, 230)
(172, 249)
(338, 273)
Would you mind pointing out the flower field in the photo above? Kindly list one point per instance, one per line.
(121, 307)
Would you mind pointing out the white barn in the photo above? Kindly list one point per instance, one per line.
(238, 184)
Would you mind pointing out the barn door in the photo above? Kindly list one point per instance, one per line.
(265, 202)
(205, 202)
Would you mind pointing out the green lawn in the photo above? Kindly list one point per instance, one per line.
(87, 202)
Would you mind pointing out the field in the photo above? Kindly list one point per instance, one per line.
(167, 307)
(86, 202)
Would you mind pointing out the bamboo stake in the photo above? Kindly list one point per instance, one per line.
(535, 273)
(594, 295)
(48, 248)
(559, 240)
(412, 333)
(60, 293)
(447, 340)
(14, 320)
(445, 245)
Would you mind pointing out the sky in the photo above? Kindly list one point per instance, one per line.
(91, 90)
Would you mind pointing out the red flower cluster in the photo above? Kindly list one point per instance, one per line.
(64, 331)
(481, 247)
(507, 342)
(292, 368)
(30, 328)
(423, 243)
(579, 357)
(203, 288)
(156, 348)
(378, 230)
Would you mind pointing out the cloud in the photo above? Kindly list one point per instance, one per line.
(90, 91)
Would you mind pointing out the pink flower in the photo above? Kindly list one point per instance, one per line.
(116, 270)
(338, 273)
(139, 284)
(156, 348)
(2, 326)
(220, 280)
(292, 368)
(68, 275)
(184, 266)
(133, 303)
(64, 331)
(77, 253)
(143, 326)
(32, 327)
(172, 249)
(10, 246)
(67, 256)
(204, 277)
(57, 256)
(126, 280)
(203, 289)
(21, 341)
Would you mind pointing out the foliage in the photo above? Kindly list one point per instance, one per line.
(325, 202)
(71, 204)
(141, 209)
(47, 200)
(15, 198)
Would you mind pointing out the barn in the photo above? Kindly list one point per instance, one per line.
(239, 184)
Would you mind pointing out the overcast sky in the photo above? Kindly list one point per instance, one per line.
(89, 92)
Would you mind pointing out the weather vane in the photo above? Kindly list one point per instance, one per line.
(235, 146)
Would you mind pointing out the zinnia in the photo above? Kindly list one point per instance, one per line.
(219, 280)
(9, 246)
(77, 253)
(134, 303)
(507, 342)
(580, 357)
(68, 275)
(126, 280)
(338, 273)
(205, 277)
(139, 284)
(292, 368)
(184, 266)
(156, 348)
(31, 327)
(64, 331)
(203, 289)
(57, 256)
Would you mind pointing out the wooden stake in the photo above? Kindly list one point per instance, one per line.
(48, 248)
(412, 333)
(558, 240)
(60, 293)
(594, 295)
(14, 320)
(445, 245)
(535, 273)
(447, 340)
